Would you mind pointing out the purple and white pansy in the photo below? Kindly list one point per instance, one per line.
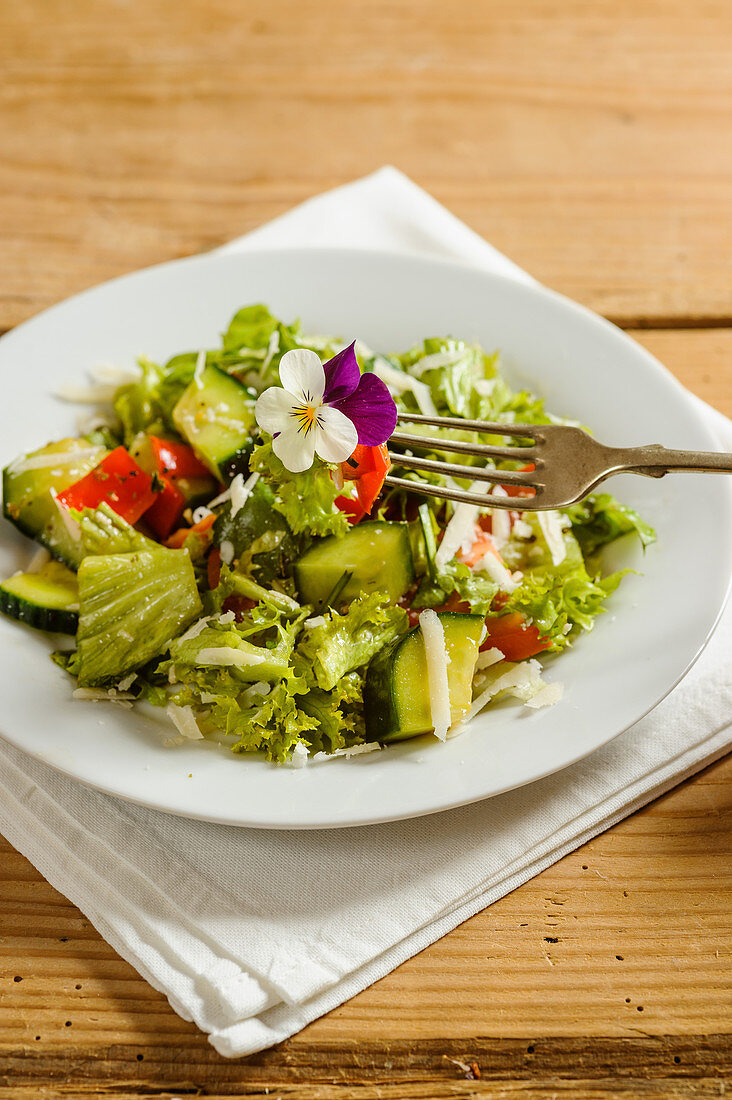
(324, 409)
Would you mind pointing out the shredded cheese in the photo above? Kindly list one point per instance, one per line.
(460, 531)
(227, 655)
(68, 520)
(500, 520)
(497, 572)
(39, 559)
(99, 394)
(184, 721)
(399, 382)
(552, 530)
(437, 683)
(546, 697)
(199, 369)
(299, 756)
(194, 630)
(241, 491)
(488, 657)
(227, 551)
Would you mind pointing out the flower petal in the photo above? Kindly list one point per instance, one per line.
(294, 448)
(372, 410)
(342, 375)
(335, 435)
(275, 410)
(301, 372)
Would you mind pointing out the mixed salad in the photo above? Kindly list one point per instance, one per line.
(220, 541)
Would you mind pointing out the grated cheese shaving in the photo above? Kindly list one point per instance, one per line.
(227, 551)
(500, 520)
(488, 657)
(227, 655)
(39, 559)
(497, 572)
(546, 697)
(551, 528)
(184, 721)
(437, 683)
(241, 491)
(300, 755)
(399, 382)
(199, 369)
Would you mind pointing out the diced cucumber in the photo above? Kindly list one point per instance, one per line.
(130, 608)
(47, 600)
(259, 535)
(396, 697)
(378, 555)
(27, 497)
(216, 416)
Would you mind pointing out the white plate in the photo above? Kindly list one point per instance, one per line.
(657, 624)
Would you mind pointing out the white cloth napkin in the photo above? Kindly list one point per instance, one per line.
(252, 934)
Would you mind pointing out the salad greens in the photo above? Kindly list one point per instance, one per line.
(261, 606)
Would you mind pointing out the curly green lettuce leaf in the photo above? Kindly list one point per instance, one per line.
(137, 404)
(600, 519)
(339, 714)
(337, 644)
(560, 598)
(306, 500)
(473, 588)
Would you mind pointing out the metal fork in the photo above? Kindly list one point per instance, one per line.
(567, 462)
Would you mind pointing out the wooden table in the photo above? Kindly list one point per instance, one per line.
(592, 142)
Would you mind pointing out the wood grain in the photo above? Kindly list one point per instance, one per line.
(590, 141)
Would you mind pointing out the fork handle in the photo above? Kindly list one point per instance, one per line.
(656, 461)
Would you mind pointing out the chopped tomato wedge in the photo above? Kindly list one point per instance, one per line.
(203, 527)
(515, 638)
(367, 468)
(117, 481)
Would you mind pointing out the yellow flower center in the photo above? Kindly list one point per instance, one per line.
(306, 418)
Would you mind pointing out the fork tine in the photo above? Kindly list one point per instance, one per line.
(485, 500)
(457, 446)
(524, 431)
(476, 473)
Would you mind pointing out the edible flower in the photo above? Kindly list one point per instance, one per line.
(324, 408)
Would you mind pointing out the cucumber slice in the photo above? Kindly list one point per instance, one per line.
(27, 499)
(396, 699)
(131, 607)
(378, 555)
(47, 600)
(216, 416)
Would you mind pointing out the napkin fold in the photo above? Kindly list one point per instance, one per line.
(251, 933)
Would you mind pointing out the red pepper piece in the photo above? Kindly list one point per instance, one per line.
(167, 509)
(176, 459)
(117, 481)
(367, 467)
